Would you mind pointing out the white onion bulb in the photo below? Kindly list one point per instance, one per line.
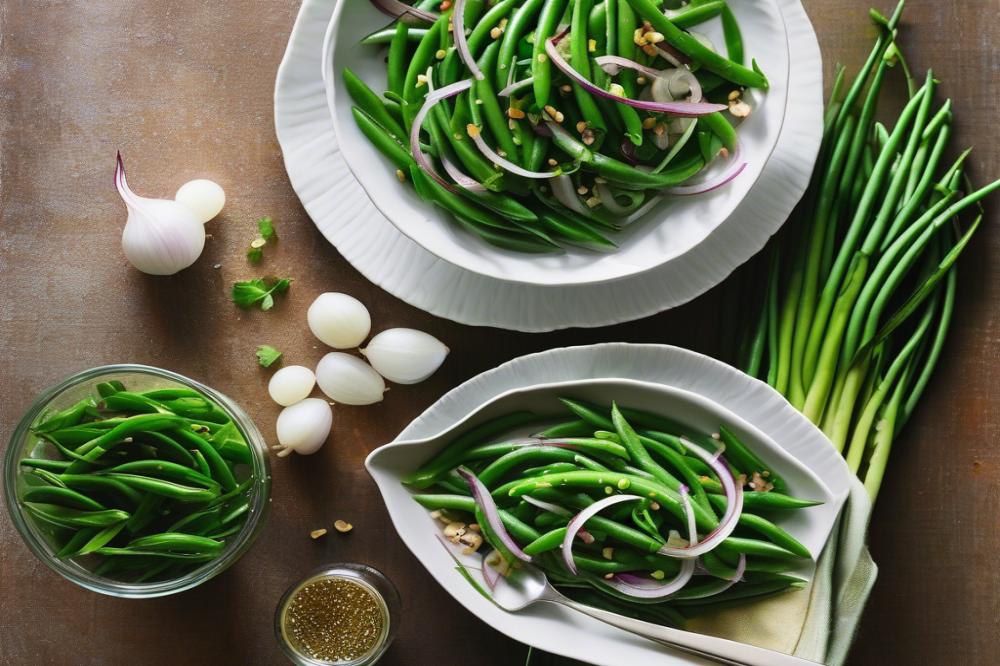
(204, 197)
(161, 236)
(405, 355)
(291, 384)
(339, 320)
(349, 380)
(304, 426)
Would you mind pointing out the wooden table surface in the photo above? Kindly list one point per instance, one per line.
(184, 89)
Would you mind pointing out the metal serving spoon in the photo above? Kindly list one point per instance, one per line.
(528, 584)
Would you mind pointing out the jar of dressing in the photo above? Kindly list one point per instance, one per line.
(339, 614)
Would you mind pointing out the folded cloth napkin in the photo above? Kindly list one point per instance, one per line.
(819, 622)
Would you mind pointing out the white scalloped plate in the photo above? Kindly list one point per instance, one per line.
(348, 219)
(670, 229)
(748, 400)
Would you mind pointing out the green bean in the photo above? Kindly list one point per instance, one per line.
(758, 499)
(65, 497)
(732, 34)
(574, 428)
(489, 21)
(747, 461)
(516, 28)
(165, 488)
(220, 470)
(580, 61)
(551, 468)
(76, 542)
(696, 14)
(496, 469)
(623, 482)
(48, 477)
(735, 545)
(176, 542)
(541, 66)
(398, 48)
(66, 517)
(135, 552)
(773, 533)
(697, 51)
(383, 142)
(638, 452)
(169, 447)
(165, 470)
(91, 482)
(46, 464)
(100, 539)
(496, 120)
(66, 418)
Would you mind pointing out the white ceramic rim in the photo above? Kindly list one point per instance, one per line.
(750, 399)
(346, 217)
(683, 222)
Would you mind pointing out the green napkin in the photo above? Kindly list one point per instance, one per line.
(831, 605)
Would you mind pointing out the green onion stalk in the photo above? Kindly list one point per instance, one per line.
(860, 284)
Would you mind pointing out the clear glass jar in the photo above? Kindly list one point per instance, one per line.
(367, 577)
(141, 378)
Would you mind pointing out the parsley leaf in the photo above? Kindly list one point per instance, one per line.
(265, 226)
(265, 229)
(258, 291)
(267, 355)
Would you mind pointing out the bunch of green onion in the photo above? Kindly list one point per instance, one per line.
(860, 286)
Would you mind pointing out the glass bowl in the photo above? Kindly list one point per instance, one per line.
(369, 578)
(24, 443)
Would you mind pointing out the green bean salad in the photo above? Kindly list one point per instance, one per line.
(539, 123)
(622, 509)
(140, 486)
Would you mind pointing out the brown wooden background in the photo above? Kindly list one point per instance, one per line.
(184, 89)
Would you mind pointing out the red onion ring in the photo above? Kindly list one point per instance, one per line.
(734, 506)
(565, 193)
(613, 64)
(464, 181)
(644, 588)
(482, 497)
(397, 9)
(584, 535)
(685, 109)
(503, 162)
(734, 169)
(579, 519)
(458, 33)
(433, 97)
(672, 55)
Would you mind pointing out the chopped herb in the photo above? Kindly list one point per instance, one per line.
(267, 355)
(259, 291)
(265, 226)
(265, 231)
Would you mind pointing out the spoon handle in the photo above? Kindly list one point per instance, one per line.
(716, 649)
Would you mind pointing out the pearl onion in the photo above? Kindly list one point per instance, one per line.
(291, 384)
(204, 197)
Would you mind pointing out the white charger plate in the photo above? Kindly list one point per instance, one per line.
(749, 400)
(670, 229)
(347, 218)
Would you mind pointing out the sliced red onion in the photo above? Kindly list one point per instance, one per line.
(515, 86)
(734, 506)
(672, 55)
(608, 200)
(397, 9)
(729, 174)
(668, 78)
(581, 518)
(464, 181)
(687, 109)
(584, 535)
(482, 497)
(648, 588)
(477, 138)
(614, 64)
(458, 33)
(547, 506)
(565, 192)
(433, 97)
